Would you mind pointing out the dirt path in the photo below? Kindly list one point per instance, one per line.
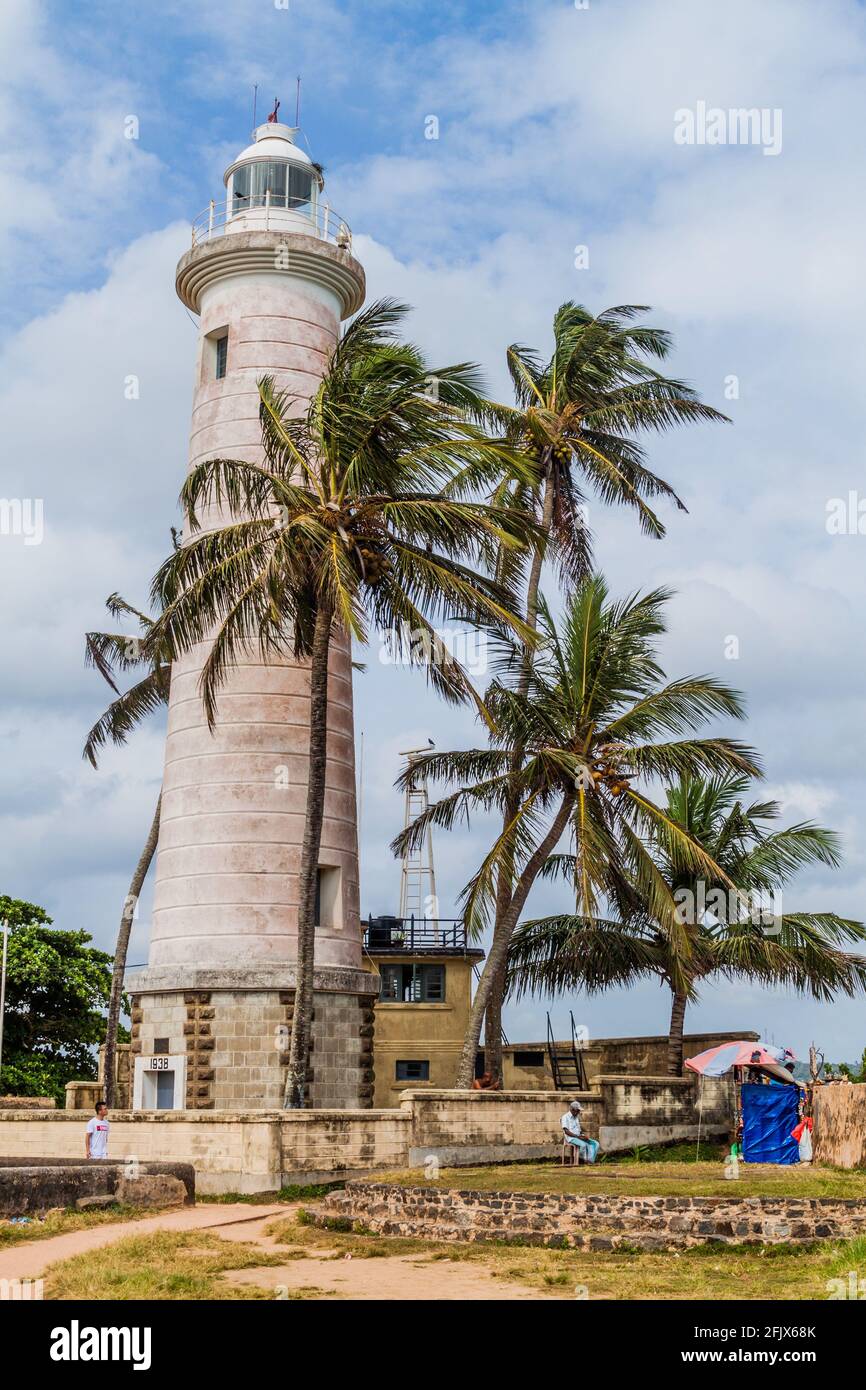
(30, 1259)
(393, 1277)
(397, 1277)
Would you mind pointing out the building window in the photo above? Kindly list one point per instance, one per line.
(529, 1059)
(412, 984)
(222, 353)
(413, 1071)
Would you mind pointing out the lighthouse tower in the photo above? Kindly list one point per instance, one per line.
(271, 275)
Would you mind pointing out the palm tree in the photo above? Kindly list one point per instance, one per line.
(596, 720)
(733, 934)
(577, 415)
(362, 514)
(111, 653)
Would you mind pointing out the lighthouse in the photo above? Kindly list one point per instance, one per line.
(271, 275)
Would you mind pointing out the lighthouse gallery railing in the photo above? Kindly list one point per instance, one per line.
(271, 212)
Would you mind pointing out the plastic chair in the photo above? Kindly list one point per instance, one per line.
(569, 1148)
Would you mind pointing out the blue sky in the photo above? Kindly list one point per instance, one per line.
(555, 130)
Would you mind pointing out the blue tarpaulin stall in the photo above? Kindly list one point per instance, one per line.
(770, 1113)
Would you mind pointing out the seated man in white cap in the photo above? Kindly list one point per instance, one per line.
(583, 1146)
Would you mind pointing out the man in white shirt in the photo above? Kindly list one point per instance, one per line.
(584, 1147)
(96, 1135)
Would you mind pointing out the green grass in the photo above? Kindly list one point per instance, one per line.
(294, 1192)
(633, 1178)
(669, 1153)
(61, 1222)
(164, 1265)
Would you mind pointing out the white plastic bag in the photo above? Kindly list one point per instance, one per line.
(806, 1145)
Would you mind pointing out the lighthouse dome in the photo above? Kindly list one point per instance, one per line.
(272, 172)
(273, 140)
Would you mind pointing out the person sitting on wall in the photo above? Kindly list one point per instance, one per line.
(583, 1146)
(487, 1081)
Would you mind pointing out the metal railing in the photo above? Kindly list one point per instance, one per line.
(271, 212)
(414, 934)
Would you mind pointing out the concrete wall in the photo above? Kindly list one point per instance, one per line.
(656, 1110)
(258, 1151)
(646, 1056)
(839, 1112)
(468, 1127)
(230, 1152)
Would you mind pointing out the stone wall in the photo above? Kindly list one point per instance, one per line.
(40, 1184)
(593, 1222)
(27, 1102)
(839, 1112)
(236, 1150)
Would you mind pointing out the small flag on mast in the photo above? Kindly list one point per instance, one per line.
(273, 116)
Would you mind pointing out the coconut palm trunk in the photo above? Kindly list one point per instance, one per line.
(299, 1045)
(675, 1033)
(498, 957)
(120, 954)
(493, 1019)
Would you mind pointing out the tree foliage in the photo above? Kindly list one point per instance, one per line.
(57, 987)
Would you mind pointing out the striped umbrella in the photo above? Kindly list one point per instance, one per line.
(717, 1061)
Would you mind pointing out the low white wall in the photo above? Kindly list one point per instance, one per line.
(260, 1151)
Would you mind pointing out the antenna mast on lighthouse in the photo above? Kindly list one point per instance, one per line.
(417, 876)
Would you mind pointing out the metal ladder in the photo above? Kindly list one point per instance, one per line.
(566, 1060)
(417, 876)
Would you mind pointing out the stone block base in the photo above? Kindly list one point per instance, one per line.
(232, 1038)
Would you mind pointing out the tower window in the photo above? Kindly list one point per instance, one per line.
(222, 353)
(328, 893)
(413, 1071)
